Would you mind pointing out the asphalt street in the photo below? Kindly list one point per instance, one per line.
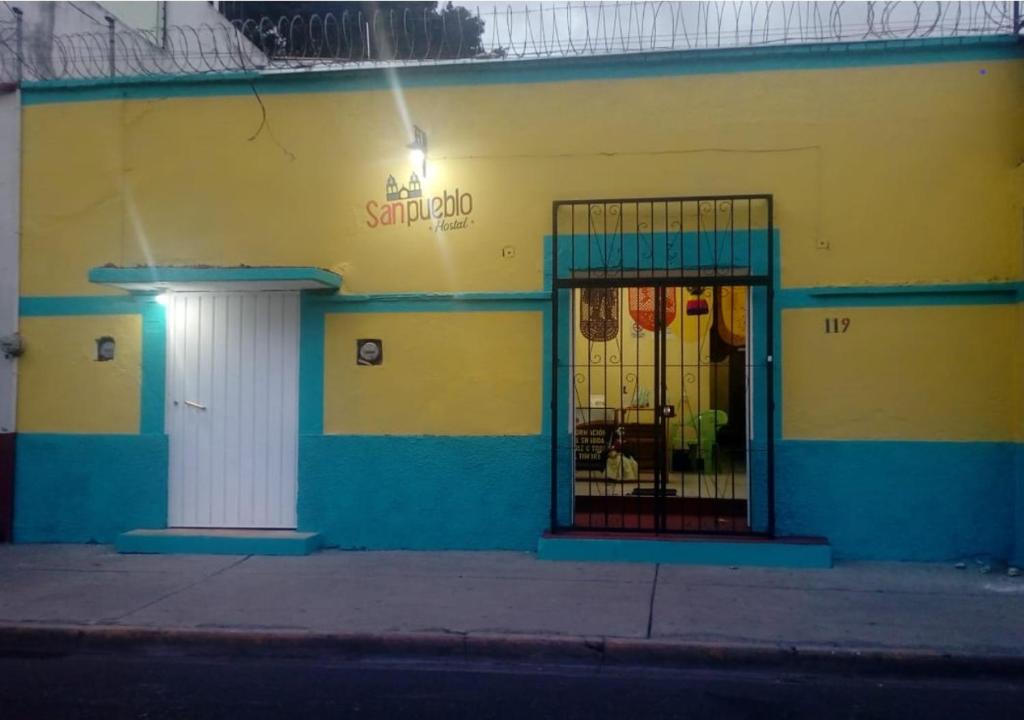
(140, 686)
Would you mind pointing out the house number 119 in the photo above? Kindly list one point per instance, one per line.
(836, 325)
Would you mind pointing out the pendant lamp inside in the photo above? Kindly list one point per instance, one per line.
(697, 305)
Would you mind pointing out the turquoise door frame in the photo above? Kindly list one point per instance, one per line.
(705, 256)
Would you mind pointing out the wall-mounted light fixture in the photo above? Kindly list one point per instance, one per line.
(697, 305)
(105, 348)
(12, 345)
(418, 149)
(369, 351)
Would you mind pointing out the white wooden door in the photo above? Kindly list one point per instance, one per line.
(232, 408)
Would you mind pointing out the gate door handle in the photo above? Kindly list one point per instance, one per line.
(193, 403)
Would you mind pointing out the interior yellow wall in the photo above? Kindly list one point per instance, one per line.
(62, 388)
(449, 373)
(600, 368)
(885, 174)
(908, 373)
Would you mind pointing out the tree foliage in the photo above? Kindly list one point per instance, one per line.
(360, 30)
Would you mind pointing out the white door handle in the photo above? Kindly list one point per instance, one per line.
(193, 403)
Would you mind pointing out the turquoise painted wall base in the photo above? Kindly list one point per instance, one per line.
(872, 500)
(923, 501)
(1017, 557)
(218, 542)
(88, 488)
(425, 493)
(687, 551)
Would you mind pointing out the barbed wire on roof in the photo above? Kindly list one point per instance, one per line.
(492, 32)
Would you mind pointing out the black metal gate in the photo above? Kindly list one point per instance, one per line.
(662, 337)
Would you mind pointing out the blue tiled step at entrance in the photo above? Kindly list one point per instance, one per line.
(218, 542)
(578, 546)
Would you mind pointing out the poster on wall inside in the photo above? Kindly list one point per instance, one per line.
(591, 442)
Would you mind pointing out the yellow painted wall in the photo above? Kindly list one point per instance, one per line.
(1018, 175)
(72, 203)
(907, 373)
(450, 373)
(886, 174)
(61, 386)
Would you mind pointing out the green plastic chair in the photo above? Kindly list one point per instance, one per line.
(707, 423)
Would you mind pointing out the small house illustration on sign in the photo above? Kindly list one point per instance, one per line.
(394, 192)
(415, 190)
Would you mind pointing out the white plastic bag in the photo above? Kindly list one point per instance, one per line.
(621, 467)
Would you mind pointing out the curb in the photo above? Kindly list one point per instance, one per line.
(62, 640)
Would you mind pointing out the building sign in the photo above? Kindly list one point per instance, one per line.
(406, 205)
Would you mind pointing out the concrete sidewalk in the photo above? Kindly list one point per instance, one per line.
(504, 604)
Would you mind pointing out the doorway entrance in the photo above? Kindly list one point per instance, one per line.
(667, 365)
(232, 409)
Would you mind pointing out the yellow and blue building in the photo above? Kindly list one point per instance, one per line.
(896, 176)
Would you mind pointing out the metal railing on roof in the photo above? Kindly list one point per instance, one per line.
(489, 32)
